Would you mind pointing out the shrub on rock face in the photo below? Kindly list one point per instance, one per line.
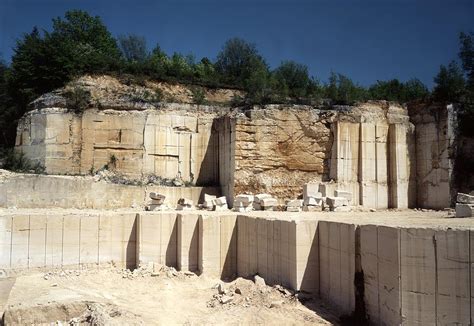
(16, 161)
(77, 99)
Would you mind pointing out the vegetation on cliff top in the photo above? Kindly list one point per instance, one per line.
(81, 44)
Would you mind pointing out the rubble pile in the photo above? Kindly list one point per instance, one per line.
(250, 293)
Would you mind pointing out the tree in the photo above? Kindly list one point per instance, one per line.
(237, 61)
(415, 89)
(466, 54)
(292, 79)
(133, 48)
(342, 90)
(259, 83)
(449, 83)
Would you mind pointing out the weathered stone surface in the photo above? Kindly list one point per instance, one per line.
(344, 194)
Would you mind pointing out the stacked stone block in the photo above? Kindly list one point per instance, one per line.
(465, 205)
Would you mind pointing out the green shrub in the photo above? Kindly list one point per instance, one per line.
(199, 96)
(18, 162)
(77, 99)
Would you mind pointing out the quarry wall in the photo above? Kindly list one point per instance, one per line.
(386, 155)
(392, 274)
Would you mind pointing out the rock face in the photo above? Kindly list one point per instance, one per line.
(383, 154)
(278, 149)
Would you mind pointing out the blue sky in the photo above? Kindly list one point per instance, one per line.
(367, 40)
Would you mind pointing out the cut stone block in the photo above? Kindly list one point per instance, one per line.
(464, 210)
(220, 201)
(465, 198)
(312, 201)
(218, 208)
(260, 197)
(244, 199)
(294, 203)
(311, 190)
(344, 194)
(184, 207)
(327, 189)
(269, 202)
(336, 201)
(293, 209)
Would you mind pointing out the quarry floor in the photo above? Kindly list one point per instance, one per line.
(114, 296)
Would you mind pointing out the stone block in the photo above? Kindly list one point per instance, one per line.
(336, 201)
(260, 197)
(159, 207)
(313, 201)
(221, 201)
(269, 202)
(244, 199)
(327, 189)
(464, 210)
(311, 189)
(294, 203)
(307, 256)
(344, 194)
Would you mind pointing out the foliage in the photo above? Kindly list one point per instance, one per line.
(133, 48)
(16, 161)
(394, 90)
(342, 90)
(237, 61)
(449, 83)
(77, 99)
(199, 97)
(292, 79)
